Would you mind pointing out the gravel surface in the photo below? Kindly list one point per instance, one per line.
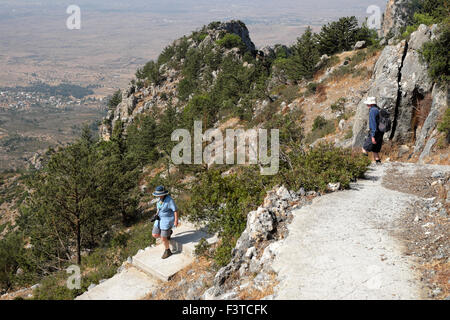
(344, 245)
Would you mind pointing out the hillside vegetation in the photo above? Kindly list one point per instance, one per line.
(89, 204)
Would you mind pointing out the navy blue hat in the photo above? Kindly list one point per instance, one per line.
(160, 191)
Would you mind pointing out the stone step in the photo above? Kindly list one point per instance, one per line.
(130, 284)
(183, 241)
(147, 267)
(150, 262)
(185, 238)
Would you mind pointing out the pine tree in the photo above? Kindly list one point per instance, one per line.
(338, 36)
(306, 54)
(67, 209)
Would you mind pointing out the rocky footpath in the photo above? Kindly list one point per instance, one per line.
(425, 226)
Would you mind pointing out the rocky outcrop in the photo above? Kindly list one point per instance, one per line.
(397, 15)
(240, 29)
(439, 104)
(257, 245)
(385, 86)
(137, 100)
(401, 83)
(415, 84)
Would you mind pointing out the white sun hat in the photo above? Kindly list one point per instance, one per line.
(370, 100)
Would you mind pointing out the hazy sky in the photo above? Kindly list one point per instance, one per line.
(173, 8)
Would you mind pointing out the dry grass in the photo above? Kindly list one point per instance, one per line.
(172, 290)
(320, 103)
(321, 93)
(251, 293)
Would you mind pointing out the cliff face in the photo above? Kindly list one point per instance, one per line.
(398, 13)
(402, 86)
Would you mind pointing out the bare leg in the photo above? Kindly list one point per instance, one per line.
(376, 156)
(165, 242)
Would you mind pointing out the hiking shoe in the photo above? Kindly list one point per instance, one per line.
(170, 234)
(167, 253)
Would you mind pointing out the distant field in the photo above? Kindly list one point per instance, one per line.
(24, 133)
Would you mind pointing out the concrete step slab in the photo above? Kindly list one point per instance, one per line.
(150, 262)
(130, 284)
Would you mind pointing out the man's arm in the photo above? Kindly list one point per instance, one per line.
(373, 121)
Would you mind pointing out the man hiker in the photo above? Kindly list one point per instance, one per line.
(374, 140)
(167, 217)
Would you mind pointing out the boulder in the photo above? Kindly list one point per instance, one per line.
(403, 149)
(359, 45)
(341, 125)
(426, 151)
(323, 61)
(260, 223)
(332, 187)
(268, 52)
(438, 174)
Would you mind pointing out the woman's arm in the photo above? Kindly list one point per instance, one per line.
(176, 218)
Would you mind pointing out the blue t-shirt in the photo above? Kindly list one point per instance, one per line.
(166, 209)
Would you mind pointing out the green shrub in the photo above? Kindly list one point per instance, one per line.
(231, 40)
(444, 125)
(167, 54)
(339, 105)
(437, 55)
(120, 240)
(438, 10)
(348, 133)
(301, 64)
(319, 123)
(223, 203)
(288, 93)
(199, 36)
(202, 248)
(321, 128)
(54, 287)
(115, 99)
(324, 164)
(150, 72)
(311, 88)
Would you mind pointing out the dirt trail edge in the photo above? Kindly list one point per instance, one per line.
(341, 247)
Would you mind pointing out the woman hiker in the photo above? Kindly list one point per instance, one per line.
(168, 217)
(374, 140)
